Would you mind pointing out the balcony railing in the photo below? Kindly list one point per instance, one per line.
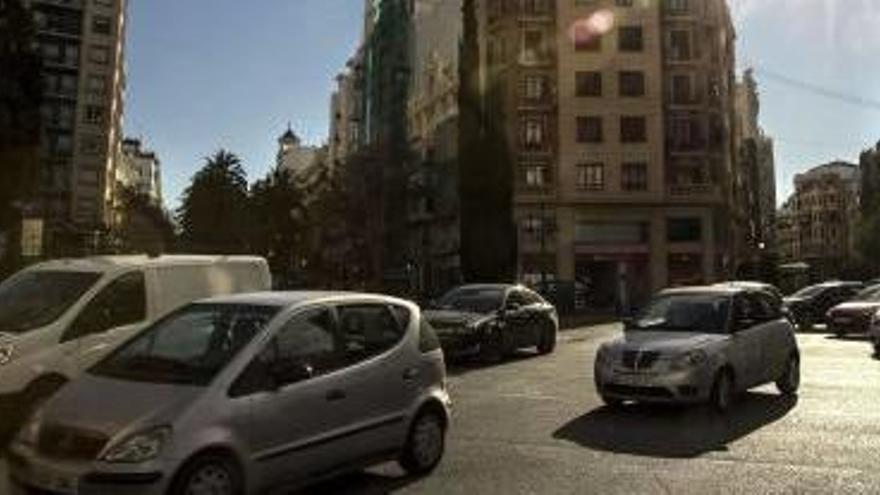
(693, 190)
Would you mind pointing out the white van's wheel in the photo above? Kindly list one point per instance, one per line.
(425, 445)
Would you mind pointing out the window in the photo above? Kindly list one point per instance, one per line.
(428, 340)
(630, 39)
(591, 176)
(682, 89)
(678, 6)
(585, 39)
(535, 87)
(533, 133)
(99, 55)
(680, 44)
(633, 130)
(516, 299)
(536, 176)
(684, 230)
(94, 114)
(91, 145)
(534, 6)
(367, 330)
(122, 302)
(97, 85)
(624, 3)
(102, 24)
(589, 130)
(104, 3)
(632, 83)
(634, 177)
(588, 83)
(532, 46)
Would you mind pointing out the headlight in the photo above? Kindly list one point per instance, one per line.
(29, 434)
(140, 447)
(690, 359)
(6, 351)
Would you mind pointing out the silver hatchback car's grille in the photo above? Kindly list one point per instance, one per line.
(639, 360)
(62, 442)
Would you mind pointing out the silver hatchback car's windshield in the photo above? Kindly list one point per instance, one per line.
(703, 313)
(190, 346)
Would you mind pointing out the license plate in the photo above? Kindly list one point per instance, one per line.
(634, 380)
(55, 481)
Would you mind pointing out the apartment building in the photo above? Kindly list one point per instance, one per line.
(140, 170)
(620, 114)
(82, 45)
(821, 219)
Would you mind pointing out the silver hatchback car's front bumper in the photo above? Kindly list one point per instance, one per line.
(661, 386)
(29, 472)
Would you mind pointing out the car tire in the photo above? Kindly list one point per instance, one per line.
(425, 443)
(611, 402)
(790, 380)
(547, 338)
(209, 473)
(723, 393)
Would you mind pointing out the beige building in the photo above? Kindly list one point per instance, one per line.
(818, 224)
(140, 170)
(621, 120)
(293, 156)
(82, 43)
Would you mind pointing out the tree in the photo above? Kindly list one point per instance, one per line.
(145, 226)
(488, 231)
(278, 223)
(868, 241)
(21, 93)
(214, 212)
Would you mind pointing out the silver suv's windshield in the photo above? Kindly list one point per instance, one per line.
(702, 313)
(34, 299)
(190, 346)
(473, 300)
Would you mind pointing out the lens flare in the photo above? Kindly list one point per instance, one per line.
(587, 29)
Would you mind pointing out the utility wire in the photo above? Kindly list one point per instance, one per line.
(820, 91)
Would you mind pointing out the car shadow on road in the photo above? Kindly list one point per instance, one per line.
(463, 364)
(360, 483)
(850, 338)
(673, 432)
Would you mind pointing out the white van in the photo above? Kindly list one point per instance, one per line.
(60, 317)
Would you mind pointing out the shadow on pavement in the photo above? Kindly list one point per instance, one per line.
(673, 432)
(458, 365)
(361, 483)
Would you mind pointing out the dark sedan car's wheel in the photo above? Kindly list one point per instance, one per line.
(425, 444)
(722, 391)
(210, 474)
(790, 380)
(547, 338)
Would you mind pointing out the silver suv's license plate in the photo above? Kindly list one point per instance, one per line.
(55, 481)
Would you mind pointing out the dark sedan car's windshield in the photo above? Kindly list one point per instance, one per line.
(808, 292)
(34, 299)
(191, 346)
(473, 300)
(704, 313)
(871, 294)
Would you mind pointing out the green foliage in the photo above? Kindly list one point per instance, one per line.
(868, 241)
(146, 227)
(278, 223)
(214, 212)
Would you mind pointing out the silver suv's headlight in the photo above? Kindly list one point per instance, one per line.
(690, 359)
(140, 447)
(6, 352)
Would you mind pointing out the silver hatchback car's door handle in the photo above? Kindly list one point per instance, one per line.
(335, 395)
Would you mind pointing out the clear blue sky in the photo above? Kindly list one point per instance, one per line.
(205, 74)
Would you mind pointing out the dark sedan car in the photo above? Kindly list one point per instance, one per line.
(494, 320)
(855, 315)
(809, 306)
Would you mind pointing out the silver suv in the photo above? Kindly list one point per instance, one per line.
(702, 344)
(242, 394)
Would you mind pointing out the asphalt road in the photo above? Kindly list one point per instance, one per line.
(535, 425)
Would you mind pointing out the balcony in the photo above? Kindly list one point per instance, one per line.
(694, 191)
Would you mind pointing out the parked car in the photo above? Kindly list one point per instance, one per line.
(59, 317)
(243, 394)
(494, 319)
(700, 344)
(874, 333)
(808, 306)
(751, 285)
(854, 316)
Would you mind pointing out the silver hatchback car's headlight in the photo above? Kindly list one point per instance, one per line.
(140, 447)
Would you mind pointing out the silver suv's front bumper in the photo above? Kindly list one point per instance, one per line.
(663, 386)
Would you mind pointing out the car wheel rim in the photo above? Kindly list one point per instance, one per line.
(427, 441)
(210, 480)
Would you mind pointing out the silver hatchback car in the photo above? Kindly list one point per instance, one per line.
(245, 394)
(701, 344)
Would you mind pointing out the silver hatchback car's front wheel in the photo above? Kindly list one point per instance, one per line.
(209, 475)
